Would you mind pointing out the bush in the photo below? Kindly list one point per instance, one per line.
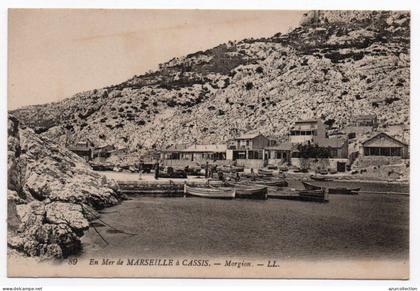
(308, 151)
(249, 86)
(259, 70)
(171, 103)
(329, 122)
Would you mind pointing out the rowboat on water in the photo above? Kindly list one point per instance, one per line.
(250, 192)
(319, 178)
(271, 182)
(264, 182)
(209, 192)
(314, 195)
(333, 190)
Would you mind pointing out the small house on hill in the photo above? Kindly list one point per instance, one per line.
(83, 149)
(102, 153)
(384, 145)
(362, 125)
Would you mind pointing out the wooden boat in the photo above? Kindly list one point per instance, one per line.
(344, 191)
(314, 195)
(209, 192)
(311, 186)
(264, 182)
(173, 175)
(319, 178)
(271, 182)
(265, 172)
(333, 190)
(147, 189)
(247, 192)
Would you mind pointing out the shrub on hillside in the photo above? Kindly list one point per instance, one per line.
(249, 86)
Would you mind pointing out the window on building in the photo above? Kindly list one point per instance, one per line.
(295, 155)
(240, 155)
(395, 152)
(333, 153)
(383, 151)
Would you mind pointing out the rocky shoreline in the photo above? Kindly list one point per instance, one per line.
(52, 195)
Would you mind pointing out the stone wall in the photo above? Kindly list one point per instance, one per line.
(251, 164)
(368, 161)
(315, 164)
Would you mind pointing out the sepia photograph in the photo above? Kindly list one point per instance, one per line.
(188, 143)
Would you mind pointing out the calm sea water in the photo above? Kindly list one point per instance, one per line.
(348, 227)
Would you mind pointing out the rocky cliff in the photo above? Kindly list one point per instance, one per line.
(336, 65)
(52, 195)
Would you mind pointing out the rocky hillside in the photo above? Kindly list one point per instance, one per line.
(52, 195)
(337, 64)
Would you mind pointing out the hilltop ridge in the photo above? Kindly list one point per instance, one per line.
(335, 65)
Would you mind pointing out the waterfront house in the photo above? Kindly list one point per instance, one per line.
(183, 155)
(309, 130)
(248, 150)
(280, 153)
(338, 147)
(251, 141)
(382, 145)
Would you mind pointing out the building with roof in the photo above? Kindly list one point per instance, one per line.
(251, 141)
(280, 153)
(198, 153)
(384, 145)
(309, 130)
(362, 125)
(83, 149)
(249, 146)
(337, 147)
(102, 153)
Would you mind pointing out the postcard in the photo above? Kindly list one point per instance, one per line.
(208, 143)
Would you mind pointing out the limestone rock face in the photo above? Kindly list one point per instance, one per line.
(54, 173)
(52, 195)
(67, 213)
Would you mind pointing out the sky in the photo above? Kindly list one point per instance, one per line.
(55, 53)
